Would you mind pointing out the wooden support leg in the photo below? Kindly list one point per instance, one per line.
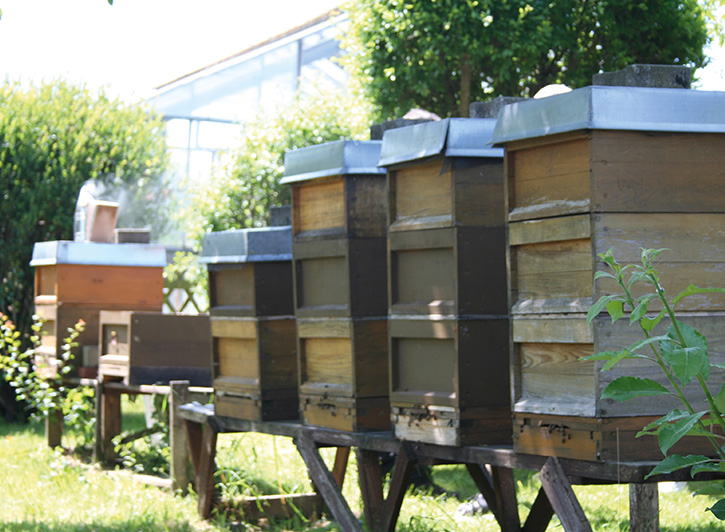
(506, 501)
(178, 395)
(109, 421)
(644, 508)
(540, 514)
(326, 484)
(202, 442)
(371, 484)
(562, 497)
(98, 434)
(54, 428)
(500, 494)
(342, 455)
(404, 464)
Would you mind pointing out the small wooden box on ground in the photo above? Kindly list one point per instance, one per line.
(254, 341)
(76, 280)
(448, 301)
(598, 168)
(339, 227)
(154, 348)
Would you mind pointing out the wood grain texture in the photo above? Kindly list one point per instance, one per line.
(111, 287)
(319, 205)
(421, 197)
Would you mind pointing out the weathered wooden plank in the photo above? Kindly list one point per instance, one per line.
(562, 497)
(404, 464)
(478, 192)
(540, 514)
(324, 328)
(644, 508)
(325, 483)
(113, 287)
(371, 485)
(505, 495)
(232, 286)
(550, 230)
(180, 459)
(421, 197)
(319, 205)
(570, 329)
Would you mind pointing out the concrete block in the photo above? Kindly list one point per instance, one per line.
(660, 76)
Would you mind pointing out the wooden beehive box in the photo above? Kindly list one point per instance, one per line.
(154, 348)
(339, 226)
(76, 280)
(448, 328)
(254, 340)
(594, 169)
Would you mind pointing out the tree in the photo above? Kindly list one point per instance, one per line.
(242, 194)
(53, 138)
(442, 54)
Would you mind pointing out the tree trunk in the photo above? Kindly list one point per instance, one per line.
(465, 93)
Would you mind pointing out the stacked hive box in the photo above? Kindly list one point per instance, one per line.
(76, 280)
(449, 330)
(338, 224)
(252, 323)
(154, 348)
(594, 169)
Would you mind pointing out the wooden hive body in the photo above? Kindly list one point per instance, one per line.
(448, 323)
(339, 227)
(574, 194)
(76, 280)
(154, 348)
(254, 342)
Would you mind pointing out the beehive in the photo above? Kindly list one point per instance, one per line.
(448, 328)
(76, 280)
(599, 168)
(154, 348)
(254, 341)
(339, 227)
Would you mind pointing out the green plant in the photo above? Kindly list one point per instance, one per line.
(242, 195)
(38, 381)
(186, 274)
(441, 55)
(682, 356)
(54, 137)
(148, 450)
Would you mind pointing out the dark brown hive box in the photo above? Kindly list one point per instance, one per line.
(339, 226)
(594, 169)
(254, 341)
(76, 280)
(448, 324)
(154, 348)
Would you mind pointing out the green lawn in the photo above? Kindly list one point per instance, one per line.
(46, 490)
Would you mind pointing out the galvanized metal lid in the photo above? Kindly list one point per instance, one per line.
(616, 108)
(264, 244)
(342, 157)
(98, 254)
(452, 137)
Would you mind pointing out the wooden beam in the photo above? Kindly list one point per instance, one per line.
(179, 395)
(562, 497)
(205, 475)
(644, 508)
(484, 483)
(404, 464)
(342, 455)
(371, 484)
(505, 489)
(540, 514)
(325, 483)
(109, 419)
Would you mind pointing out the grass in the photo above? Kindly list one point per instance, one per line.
(50, 491)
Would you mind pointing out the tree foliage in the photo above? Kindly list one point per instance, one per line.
(243, 193)
(442, 54)
(54, 137)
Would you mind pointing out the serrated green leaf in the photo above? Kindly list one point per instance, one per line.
(615, 309)
(689, 360)
(671, 416)
(677, 462)
(672, 433)
(621, 356)
(718, 509)
(648, 324)
(625, 388)
(641, 309)
(602, 355)
(601, 273)
(599, 306)
(692, 290)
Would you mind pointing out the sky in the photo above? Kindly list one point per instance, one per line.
(133, 46)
